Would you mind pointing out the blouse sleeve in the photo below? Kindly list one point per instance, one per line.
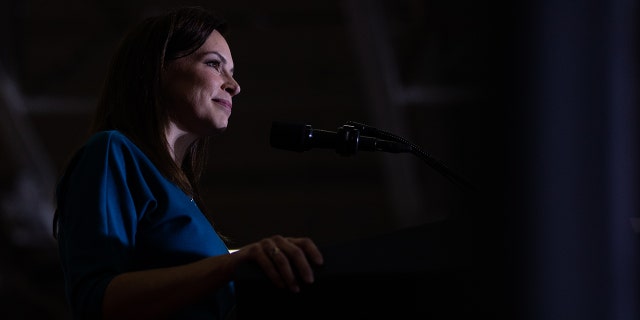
(104, 198)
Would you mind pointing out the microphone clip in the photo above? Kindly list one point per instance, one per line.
(347, 140)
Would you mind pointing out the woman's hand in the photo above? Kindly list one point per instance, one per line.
(285, 260)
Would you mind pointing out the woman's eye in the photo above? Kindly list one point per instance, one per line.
(214, 64)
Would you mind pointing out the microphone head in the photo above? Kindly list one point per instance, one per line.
(290, 136)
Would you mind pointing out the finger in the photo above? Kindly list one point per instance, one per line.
(297, 259)
(263, 256)
(310, 249)
(281, 258)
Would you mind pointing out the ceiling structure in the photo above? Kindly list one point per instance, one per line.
(423, 70)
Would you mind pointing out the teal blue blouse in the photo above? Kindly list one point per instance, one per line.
(118, 213)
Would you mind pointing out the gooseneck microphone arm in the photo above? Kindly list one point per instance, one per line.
(417, 151)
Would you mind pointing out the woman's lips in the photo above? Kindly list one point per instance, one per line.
(224, 103)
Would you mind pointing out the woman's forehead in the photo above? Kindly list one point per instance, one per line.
(216, 43)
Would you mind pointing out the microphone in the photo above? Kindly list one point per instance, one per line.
(346, 140)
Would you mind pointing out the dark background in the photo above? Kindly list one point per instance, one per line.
(534, 103)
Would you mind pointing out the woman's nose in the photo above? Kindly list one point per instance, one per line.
(231, 86)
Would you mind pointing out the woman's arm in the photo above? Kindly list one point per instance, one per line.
(158, 292)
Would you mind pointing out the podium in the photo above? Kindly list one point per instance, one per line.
(421, 272)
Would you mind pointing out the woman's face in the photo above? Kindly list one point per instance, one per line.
(198, 89)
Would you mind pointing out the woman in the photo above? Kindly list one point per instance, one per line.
(133, 240)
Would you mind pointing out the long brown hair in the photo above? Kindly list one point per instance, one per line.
(130, 97)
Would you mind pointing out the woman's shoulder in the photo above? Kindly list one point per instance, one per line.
(110, 141)
(112, 150)
(108, 137)
(112, 144)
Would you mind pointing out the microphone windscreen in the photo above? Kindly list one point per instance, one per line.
(289, 136)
